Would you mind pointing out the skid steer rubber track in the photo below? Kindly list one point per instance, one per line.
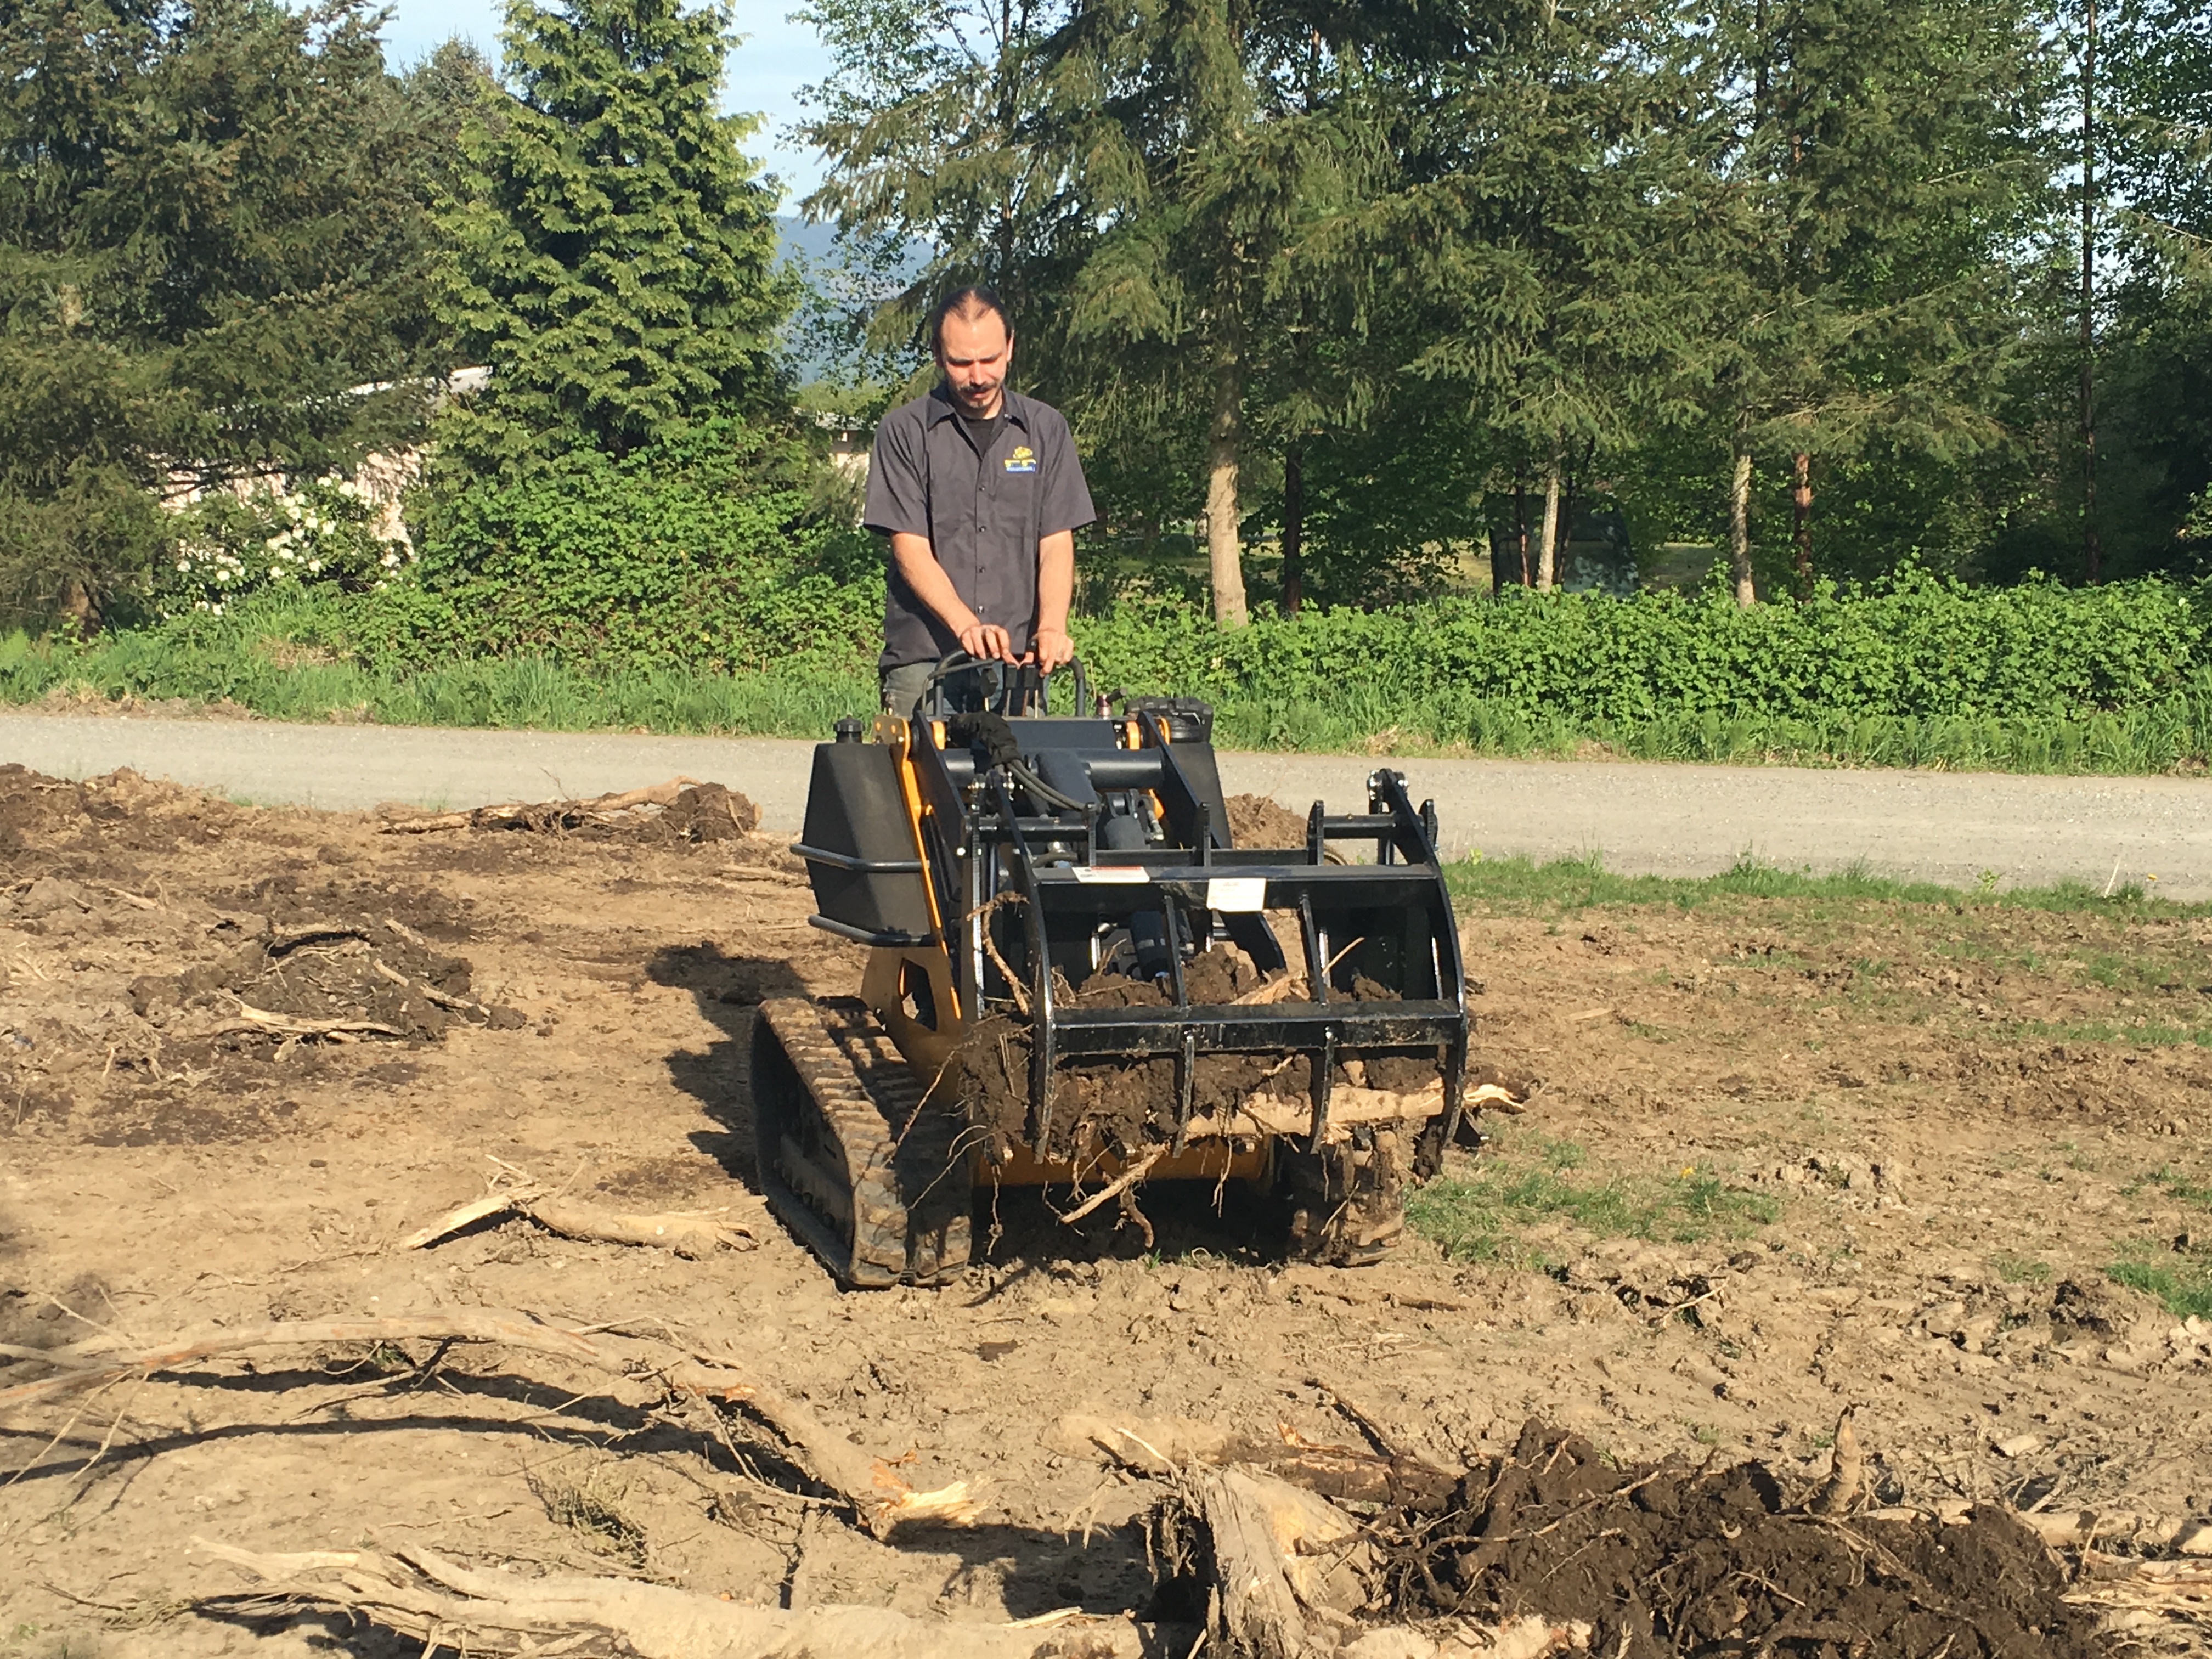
(870, 1181)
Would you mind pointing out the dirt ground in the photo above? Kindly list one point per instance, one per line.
(1952, 1123)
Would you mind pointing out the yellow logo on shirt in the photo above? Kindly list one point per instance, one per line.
(1022, 460)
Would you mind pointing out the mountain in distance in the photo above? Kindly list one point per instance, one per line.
(817, 244)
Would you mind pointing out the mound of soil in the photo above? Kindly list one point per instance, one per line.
(706, 811)
(374, 972)
(1258, 821)
(1668, 1558)
(121, 811)
(152, 937)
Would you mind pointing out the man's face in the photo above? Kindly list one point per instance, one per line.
(973, 352)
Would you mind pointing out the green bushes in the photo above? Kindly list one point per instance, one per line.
(690, 590)
(1916, 672)
(1915, 649)
(697, 551)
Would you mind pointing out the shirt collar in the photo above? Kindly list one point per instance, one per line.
(942, 408)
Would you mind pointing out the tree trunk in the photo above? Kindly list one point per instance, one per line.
(1496, 564)
(1521, 521)
(79, 606)
(1222, 446)
(1547, 544)
(2092, 552)
(1801, 508)
(1294, 528)
(1566, 525)
(1740, 529)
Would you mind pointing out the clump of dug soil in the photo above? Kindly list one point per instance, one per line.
(379, 978)
(1258, 821)
(1669, 1559)
(1125, 1107)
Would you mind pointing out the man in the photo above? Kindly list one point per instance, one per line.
(980, 493)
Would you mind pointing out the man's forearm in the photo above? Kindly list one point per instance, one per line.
(1056, 590)
(916, 562)
(1056, 580)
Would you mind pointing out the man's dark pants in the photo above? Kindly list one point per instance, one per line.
(965, 691)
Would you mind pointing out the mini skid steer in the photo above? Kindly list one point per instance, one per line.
(1076, 979)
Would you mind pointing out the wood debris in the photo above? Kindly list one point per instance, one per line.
(424, 1595)
(692, 1234)
(881, 1499)
(616, 807)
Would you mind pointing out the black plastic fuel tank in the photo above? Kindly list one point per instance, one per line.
(859, 846)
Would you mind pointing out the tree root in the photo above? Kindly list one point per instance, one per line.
(543, 815)
(424, 1595)
(882, 1500)
(1159, 1446)
(1289, 1570)
(690, 1235)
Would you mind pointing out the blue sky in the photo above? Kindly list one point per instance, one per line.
(778, 58)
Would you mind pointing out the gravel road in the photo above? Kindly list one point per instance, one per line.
(1661, 819)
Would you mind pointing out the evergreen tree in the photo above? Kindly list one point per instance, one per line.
(1548, 219)
(2156, 86)
(1880, 162)
(1137, 181)
(211, 232)
(613, 251)
(925, 115)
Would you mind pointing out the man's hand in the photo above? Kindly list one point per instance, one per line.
(1053, 648)
(988, 643)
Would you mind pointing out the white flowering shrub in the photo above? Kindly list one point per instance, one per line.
(272, 534)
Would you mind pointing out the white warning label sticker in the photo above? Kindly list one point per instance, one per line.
(1122, 875)
(1236, 893)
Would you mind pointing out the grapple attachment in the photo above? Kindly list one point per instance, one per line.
(1088, 974)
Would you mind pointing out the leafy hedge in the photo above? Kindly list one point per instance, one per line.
(699, 586)
(700, 552)
(1918, 648)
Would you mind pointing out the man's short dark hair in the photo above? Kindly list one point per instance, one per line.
(972, 301)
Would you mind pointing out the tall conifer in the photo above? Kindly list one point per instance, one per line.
(613, 250)
(1878, 162)
(214, 238)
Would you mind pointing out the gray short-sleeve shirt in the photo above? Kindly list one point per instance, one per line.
(983, 515)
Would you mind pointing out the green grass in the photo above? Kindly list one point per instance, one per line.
(2183, 1283)
(1526, 1181)
(1523, 886)
(266, 658)
(2181, 1279)
(2020, 1269)
(2175, 1184)
(512, 692)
